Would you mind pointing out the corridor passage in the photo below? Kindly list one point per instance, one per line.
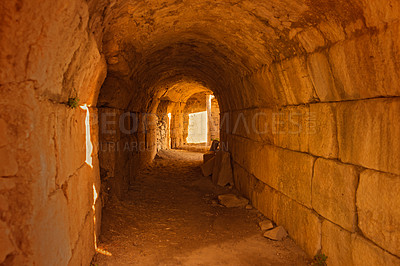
(170, 216)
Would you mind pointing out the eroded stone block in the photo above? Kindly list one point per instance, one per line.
(368, 133)
(334, 192)
(365, 253)
(378, 200)
(336, 244)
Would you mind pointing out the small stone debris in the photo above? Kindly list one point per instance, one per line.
(266, 225)
(214, 202)
(278, 233)
(231, 200)
(249, 207)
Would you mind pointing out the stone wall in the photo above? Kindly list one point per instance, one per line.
(325, 165)
(49, 173)
(127, 144)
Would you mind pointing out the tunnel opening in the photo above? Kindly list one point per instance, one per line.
(308, 93)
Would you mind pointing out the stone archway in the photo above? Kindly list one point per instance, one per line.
(309, 98)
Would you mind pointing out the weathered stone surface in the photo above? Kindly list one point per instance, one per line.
(9, 165)
(322, 132)
(296, 84)
(79, 192)
(322, 78)
(293, 124)
(378, 12)
(207, 167)
(70, 141)
(6, 246)
(368, 134)
(3, 133)
(265, 225)
(225, 175)
(52, 247)
(334, 192)
(311, 38)
(336, 244)
(366, 253)
(377, 71)
(207, 156)
(278, 233)
(301, 223)
(378, 213)
(286, 171)
(231, 200)
(85, 247)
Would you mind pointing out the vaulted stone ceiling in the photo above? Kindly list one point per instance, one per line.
(154, 45)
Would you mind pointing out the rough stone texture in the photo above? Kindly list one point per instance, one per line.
(368, 134)
(378, 212)
(322, 131)
(278, 233)
(53, 245)
(9, 165)
(301, 223)
(377, 71)
(322, 78)
(208, 156)
(336, 244)
(293, 124)
(79, 194)
(84, 247)
(282, 210)
(334, 192)
(265, 225)
(208, 166)
(276, 167)
(6, 246)
(231, 200)
(366, 253)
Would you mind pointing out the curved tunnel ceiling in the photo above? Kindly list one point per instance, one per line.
(151, 46)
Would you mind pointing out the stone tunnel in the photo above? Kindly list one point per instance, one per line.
(308, 93)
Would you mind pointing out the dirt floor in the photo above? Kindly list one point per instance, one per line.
(170, 217)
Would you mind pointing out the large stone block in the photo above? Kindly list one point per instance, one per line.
(379, 12)
(336, 244)
(322, 131)
(322, 77)
(51, 242)
(9, 164)
(79, 192)
(295, 81)
(302, 224)
(366, 67)
(378, 209)
(292, 128)
(70, 141)
(311, 39)
(286, 171)
(365, 253)
(6, 246)
(84, 248)
(265, 198)
(334, 192)
(368, 133)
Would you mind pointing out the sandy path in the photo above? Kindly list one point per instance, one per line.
(168, 218)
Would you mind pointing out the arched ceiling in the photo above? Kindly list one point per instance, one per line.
(158, 44)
